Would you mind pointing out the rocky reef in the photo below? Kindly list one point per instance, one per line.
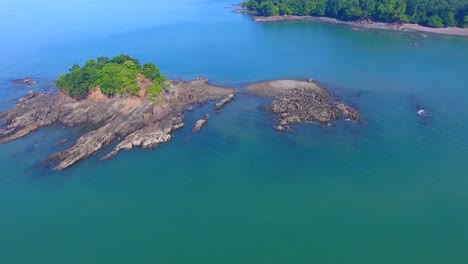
(145, 122)
(301, 101)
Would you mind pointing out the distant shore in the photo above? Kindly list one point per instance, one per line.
(454, 31)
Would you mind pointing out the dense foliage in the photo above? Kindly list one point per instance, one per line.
(114, 76)
(433, 13)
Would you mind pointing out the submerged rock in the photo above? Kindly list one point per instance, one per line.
(61, 142)
(28, 81)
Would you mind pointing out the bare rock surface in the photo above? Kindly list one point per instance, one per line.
(224, 102)
(139, 121)
(301, 101)
(200, 123)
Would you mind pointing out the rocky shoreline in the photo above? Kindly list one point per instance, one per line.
(301, 101)
(137, 121)
(367, 24)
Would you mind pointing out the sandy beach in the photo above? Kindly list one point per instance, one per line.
(369, 25)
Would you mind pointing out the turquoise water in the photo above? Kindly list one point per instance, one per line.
(393, 191)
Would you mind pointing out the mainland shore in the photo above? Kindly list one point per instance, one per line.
(405, 27)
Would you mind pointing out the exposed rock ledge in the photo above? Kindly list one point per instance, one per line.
(137, 121)
(301, 101)
(200, 123)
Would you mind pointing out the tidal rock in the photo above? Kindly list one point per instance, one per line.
(28, 81)
(281, 128)
(200, 123)
(224, 102)
(61, 142)
(348, 112)
(422, 113)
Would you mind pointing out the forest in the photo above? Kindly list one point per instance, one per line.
(431, 13)
(113, 76)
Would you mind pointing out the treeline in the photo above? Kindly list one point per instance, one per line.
(432, 13)
(114, 76)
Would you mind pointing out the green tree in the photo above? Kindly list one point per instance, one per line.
(123, 58)
(435, 21)
(449, 19)
(284, 9)
(103, 60)
(268, 9)
(75, 67)
(151, 71)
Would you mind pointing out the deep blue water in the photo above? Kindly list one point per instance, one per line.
(392, 191)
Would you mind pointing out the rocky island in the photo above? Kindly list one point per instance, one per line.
(138, 107)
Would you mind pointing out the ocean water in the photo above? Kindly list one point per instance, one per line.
(392, 191)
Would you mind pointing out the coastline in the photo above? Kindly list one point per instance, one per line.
(453, 31)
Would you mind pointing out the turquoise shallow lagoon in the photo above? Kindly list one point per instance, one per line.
(392, 191)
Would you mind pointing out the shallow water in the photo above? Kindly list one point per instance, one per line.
(393, 191)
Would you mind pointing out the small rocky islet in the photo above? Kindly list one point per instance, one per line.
(295, 101)
(145, 121)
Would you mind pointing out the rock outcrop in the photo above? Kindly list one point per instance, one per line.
(200, 123)
(138, 120)
(301, 101)
(224, 102)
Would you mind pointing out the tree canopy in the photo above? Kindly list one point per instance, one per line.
(432, 13)
(114, 76)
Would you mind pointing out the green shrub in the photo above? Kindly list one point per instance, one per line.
(154, 89)
(151, 71)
